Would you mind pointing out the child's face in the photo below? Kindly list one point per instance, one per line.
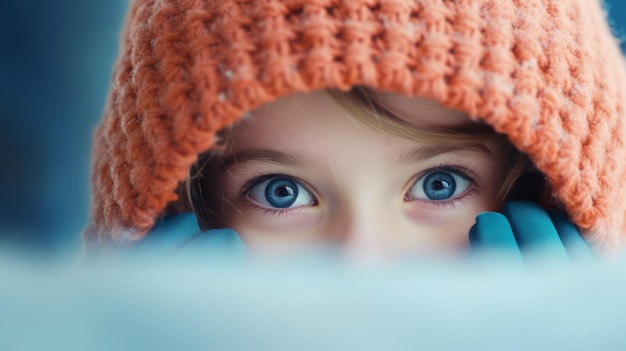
(302, 175)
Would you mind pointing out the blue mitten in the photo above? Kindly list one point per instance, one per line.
(524, 230)
(180, 235)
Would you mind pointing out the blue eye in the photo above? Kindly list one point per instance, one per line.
(438, 186)
(280, 192)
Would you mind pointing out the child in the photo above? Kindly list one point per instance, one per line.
(379, 127)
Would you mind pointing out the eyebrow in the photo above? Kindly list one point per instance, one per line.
(269, 155)
(424, 153)
(416, 155)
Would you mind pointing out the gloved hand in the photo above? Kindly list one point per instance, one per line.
(180, 236)
(525, 231)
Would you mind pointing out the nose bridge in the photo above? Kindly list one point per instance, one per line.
(361, 227)
(364, 211)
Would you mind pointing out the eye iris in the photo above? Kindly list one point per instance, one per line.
(439, 186)
(281, 193)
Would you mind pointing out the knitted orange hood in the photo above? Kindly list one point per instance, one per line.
(547, 73)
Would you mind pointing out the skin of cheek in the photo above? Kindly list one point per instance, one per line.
(442, 232)
(267, 232)
(425, 231)
(449, 227)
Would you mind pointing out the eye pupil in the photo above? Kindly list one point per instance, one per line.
(281, 192)
(439, 186)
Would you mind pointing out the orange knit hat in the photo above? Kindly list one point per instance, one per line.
(547, 73)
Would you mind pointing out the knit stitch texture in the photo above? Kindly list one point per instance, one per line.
(547, 73)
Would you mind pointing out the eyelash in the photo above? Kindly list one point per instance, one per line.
(247, 187)
(275, 212)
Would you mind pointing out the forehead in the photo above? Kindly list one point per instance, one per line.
(418, 111)
(318, 115)
(293, 120)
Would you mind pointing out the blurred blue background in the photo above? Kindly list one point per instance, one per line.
(55, 68)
